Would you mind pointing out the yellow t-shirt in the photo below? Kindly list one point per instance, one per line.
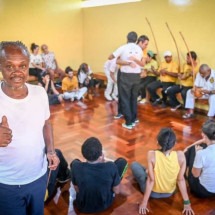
(165, 172)
(187, 69)
(149, 65)
(69, 84)
(170, 67)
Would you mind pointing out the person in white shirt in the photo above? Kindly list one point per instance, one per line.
(36, 62)
(204, 88)
(51, 64)
(201, 162)
(25, 135)
(111, 69)
(130, 57)
(86, 79)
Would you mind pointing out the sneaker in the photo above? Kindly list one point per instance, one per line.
(143, 101)
(127, 126)
(188, 116)
(66, 178)
(176, 107)
(137, 121)
(118, 116)
(139, 98)
(133, 124)
(72, 99)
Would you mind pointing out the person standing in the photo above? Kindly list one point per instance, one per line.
(25, 135)
(111, 91)
(130, 57)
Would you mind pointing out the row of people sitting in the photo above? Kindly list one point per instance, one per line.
(167, 77)
(73, 87)
(97, 180)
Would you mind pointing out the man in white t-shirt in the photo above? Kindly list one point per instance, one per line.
(205, 85)
(25, 135)
(51, 64)
(130, 57)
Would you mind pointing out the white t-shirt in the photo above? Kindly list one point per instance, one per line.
(49, 60)
(206, 84)
(126, 51)
(82, 76)
(24, 160)
(35, 59)
(110, 66)
(205, 160)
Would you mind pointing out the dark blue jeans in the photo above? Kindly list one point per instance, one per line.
(25, 199)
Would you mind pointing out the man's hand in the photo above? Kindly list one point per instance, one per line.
(53, 160)
(5, 133)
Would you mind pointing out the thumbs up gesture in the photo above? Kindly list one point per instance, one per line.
(5, 132)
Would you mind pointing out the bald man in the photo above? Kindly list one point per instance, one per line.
(205, 84)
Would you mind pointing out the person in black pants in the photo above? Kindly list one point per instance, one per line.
(201, 163)
(61, 175)
(130, 57)
(96, 182)
(185, 83)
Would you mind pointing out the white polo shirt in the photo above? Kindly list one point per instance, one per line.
(126, 51)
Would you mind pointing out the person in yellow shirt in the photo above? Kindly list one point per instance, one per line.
(166, 169)
(185, 82)
(148, 75)
(168, 71)
(70, 86)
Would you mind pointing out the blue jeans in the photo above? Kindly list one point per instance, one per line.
(140, 175)
(25, 199)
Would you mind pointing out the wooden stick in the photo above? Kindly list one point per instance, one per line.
(156, 46)
(193, 67)
(179, 62)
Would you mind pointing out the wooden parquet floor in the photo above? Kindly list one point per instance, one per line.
(74, 122)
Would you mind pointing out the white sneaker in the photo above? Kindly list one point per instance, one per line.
(108, 97)
(143, 101)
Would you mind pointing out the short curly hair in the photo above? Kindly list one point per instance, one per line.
(15, 44)
(91, 149)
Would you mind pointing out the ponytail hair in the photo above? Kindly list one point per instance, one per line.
(208, 129)
(166, 139)
(33, 46)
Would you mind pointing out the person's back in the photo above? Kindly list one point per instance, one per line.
(166, 171)
(95, 180)
(95, 183)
